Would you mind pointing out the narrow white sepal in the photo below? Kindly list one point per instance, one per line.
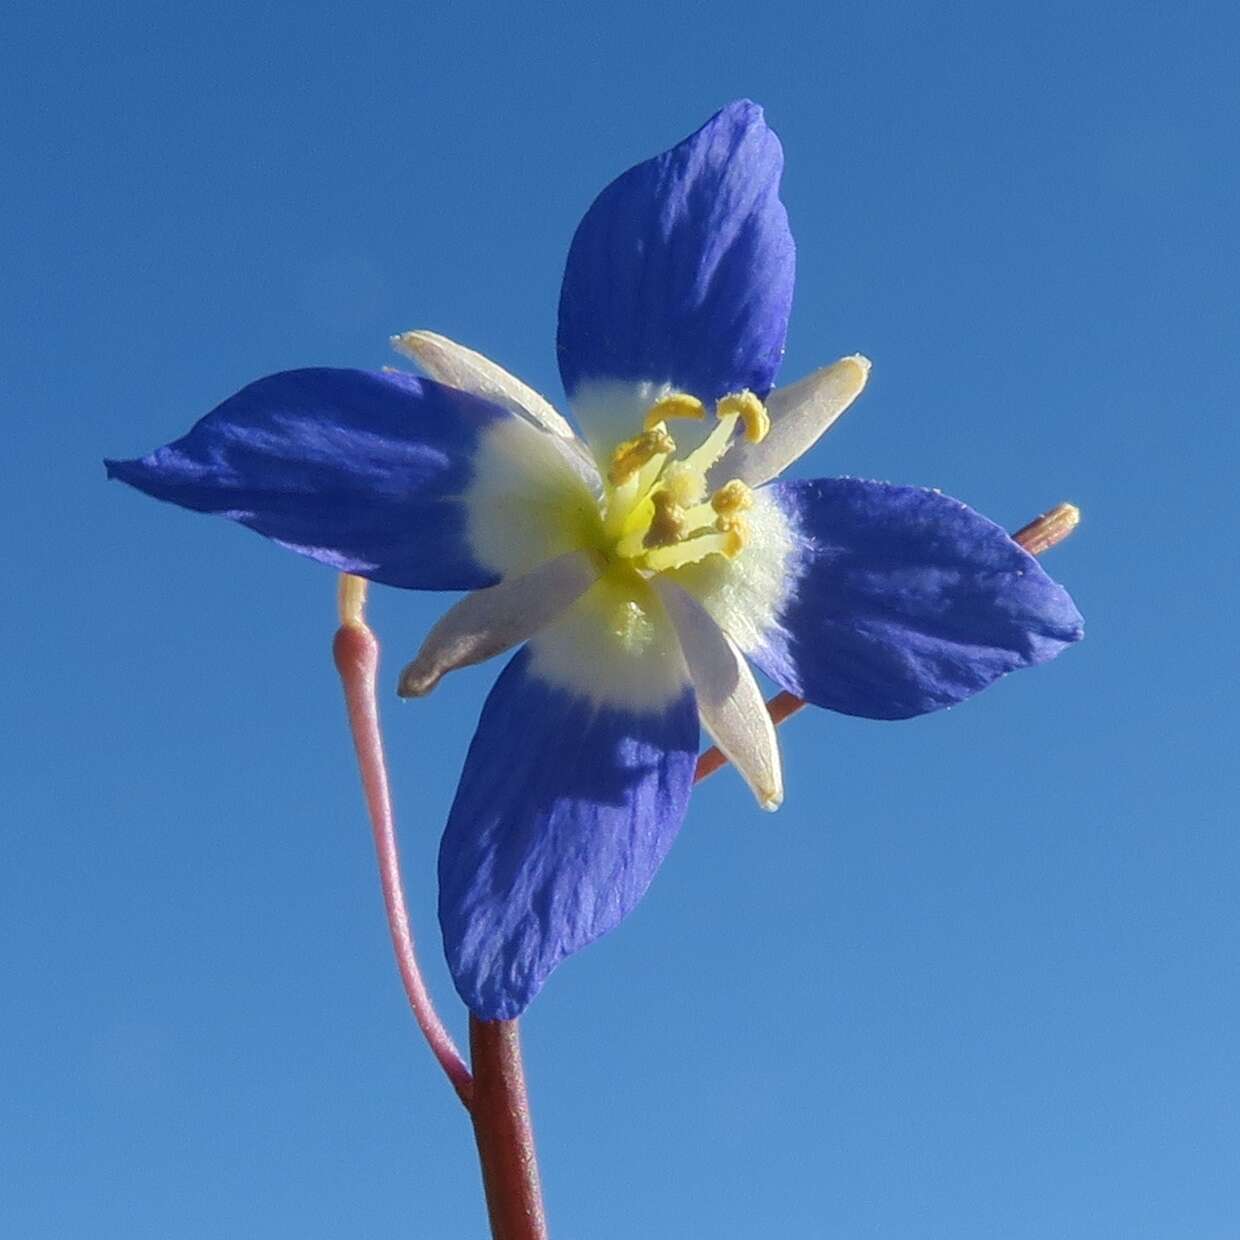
(728, 698)
(800, 414)
(453, 364)
(488, 622)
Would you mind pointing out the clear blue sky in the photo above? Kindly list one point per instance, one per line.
(977, 979)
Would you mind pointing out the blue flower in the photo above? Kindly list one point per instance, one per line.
(639, 567)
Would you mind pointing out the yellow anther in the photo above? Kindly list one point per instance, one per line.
(668, 523)
(751, 411)
(631, 455)
(674, 405)
(733, 523)
(735, 533)
(732, 497)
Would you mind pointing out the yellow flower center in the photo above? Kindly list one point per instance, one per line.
(656, 513)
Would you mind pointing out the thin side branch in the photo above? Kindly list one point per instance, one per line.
(1048, 530)
(356, 652)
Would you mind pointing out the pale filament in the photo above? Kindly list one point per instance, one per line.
(658, 516)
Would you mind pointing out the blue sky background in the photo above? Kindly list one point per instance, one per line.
(978, 978)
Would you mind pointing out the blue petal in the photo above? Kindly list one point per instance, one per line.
(682, 270)
(565, 810)
(903, 600)
(357, 469)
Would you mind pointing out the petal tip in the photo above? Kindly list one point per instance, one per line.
(849, 376)
(421, 346)
(409, 344)
(127, 471)
(744, 107)
(416, 681)
(681, 271)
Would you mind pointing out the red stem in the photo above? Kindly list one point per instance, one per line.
(504, 1133)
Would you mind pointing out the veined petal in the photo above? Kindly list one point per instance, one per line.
(680, 276)
(363, 471)
(800, 414)
(488, 622)
(728, 698)
(900, 600)
(565, 810)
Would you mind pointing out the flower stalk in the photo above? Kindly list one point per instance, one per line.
(495, 1093)
(636, 575)
(500, 1110)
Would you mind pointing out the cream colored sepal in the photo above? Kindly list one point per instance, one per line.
(453, 364)
(488, 622)
(728, 698)
(800, 414)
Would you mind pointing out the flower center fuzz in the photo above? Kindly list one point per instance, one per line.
(656, 513)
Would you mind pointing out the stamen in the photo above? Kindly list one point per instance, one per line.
(732, 497)
(668, 523)
(630, 456)
(650, 473)
(658, 517)
(715, 445)
(632, 540)
(691, 550)
(674, 405)
(700, 517)
(733, 523)
(746, 406)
